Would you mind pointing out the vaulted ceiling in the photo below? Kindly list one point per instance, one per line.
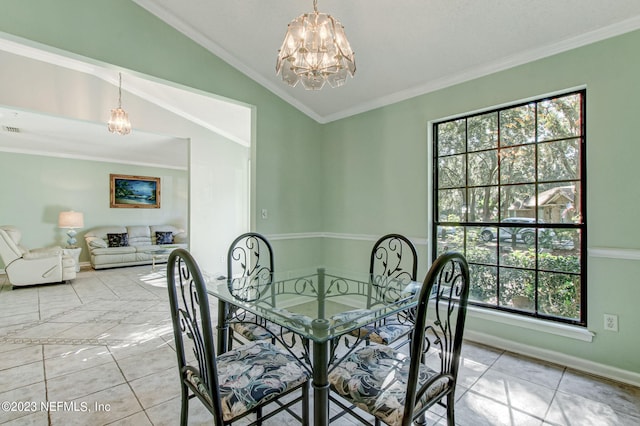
(403, 48)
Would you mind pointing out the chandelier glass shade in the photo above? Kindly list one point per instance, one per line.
(315, 51)
(119, 120)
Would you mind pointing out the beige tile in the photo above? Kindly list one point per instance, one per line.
(474, 409)
(468, 373)
(20, 376)
(87, 330)
(480, 353)
(157, 388)
(620, 397)
(78, 316)
(65, 350)
(574, 410)
(21, 356)
(522, 395)
(136, 332)
(539, 372)
(7, 347)
(150, 318)
(43, 331)
(99, 408)
(138, 419)
(20, 319)
(81, 383)
(85, 357)
(38, 418)
(168, 413)
(127, 349)
(142, 365)
(32, 395)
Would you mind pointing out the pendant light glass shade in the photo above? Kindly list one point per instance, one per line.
(315, 51)
(119, 121)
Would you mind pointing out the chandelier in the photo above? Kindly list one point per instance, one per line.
(315, 50)
(119, 122)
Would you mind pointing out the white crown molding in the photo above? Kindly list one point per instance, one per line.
(589, 367)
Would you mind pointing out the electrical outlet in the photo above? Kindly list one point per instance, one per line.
(610, 322)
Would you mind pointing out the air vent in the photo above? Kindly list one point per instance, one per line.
(11, 129)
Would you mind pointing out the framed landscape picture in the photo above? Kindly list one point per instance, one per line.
(134, 192)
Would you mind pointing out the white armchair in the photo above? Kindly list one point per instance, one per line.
(37, 266)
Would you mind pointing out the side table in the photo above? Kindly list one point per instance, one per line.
(75, 253)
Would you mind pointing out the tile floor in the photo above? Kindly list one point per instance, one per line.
(100, 351)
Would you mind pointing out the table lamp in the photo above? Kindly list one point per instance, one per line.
(71, 220)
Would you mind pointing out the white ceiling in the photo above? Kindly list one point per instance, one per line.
(403, 48)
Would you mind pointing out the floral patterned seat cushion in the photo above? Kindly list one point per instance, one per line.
(252, 374)
(251, 330)
(383, 334)
(374, 378)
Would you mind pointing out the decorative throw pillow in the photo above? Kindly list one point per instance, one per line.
(118, 240)
(97, 242)
(164, 237)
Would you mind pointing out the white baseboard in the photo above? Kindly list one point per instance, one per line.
(586, 366)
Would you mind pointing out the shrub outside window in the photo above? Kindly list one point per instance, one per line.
(509, 193)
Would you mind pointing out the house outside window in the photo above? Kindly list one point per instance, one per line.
(509, 193)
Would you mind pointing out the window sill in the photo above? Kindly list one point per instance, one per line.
(564, 330)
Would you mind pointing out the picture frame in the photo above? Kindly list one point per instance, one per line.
(134, 192)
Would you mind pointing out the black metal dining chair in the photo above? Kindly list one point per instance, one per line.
(393, 259)
(397, 389)
(239, 382)
(249, 272)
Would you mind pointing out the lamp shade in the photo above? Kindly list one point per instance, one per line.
(70, 220)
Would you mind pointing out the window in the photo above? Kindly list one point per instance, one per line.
(508, 192)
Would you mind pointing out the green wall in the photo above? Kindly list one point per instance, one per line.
(367, 174)
(35, 189)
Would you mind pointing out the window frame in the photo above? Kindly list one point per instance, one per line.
(465, 224)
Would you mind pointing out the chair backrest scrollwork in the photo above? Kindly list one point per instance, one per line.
(249, 266)
(394, 257)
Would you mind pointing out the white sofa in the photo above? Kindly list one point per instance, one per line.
(140, 248)
(36, 266)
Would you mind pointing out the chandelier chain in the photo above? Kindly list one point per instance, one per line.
(120, 91)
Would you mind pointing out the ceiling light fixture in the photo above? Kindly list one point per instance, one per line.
(315, 51)
(119, 122)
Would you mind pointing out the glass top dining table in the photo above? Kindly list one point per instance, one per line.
(320, 307)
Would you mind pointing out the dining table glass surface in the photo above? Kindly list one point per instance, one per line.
(320, 305)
